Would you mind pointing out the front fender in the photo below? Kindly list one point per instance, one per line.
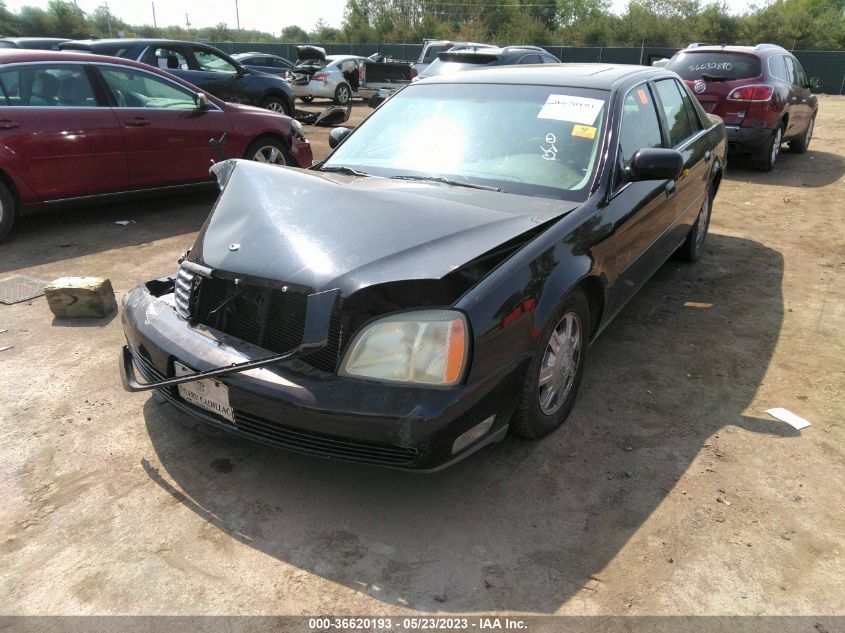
(510, 307)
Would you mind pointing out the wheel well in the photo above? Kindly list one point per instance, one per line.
(10, 185)
(276, 137)
(593, 289)
(278, 94)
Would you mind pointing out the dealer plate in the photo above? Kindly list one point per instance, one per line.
(206, 393)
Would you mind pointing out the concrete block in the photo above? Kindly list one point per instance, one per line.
(80, 297)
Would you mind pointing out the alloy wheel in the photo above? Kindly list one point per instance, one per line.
(560, 364)
(269, 154)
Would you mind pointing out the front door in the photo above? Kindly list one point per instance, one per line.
(166, 135)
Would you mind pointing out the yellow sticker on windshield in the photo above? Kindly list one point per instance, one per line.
(584, 131)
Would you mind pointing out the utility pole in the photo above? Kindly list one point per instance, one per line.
(154, 15)
(187, 21)
(108, 16)
(237, 15)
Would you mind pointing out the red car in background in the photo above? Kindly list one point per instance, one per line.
(760, 92)
(75, 127)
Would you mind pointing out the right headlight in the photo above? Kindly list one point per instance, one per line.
(424, 347)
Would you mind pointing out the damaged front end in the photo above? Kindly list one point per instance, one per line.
(289, 270)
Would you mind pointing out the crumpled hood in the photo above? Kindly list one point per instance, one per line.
(326, 231)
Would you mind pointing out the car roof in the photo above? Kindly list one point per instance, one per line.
(595, 76)
(130, 41)
(18, 55)
(759, 49)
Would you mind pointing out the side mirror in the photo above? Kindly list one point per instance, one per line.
(655, 164)
(337, 135)
(814, 83)
(241, 71)
(202, 101)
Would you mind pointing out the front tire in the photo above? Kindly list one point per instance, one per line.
(800, 145)
(552, 379)
(765, 160)
(269, 150)
(343, 94)
(277, 104)
(693, 246)
(8, 210)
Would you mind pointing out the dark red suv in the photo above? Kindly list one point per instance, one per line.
(761, 93)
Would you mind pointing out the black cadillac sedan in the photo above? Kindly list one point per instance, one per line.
(438, 280)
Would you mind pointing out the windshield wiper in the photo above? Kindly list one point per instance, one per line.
(341, 169)
(707, 77)
(447, 181)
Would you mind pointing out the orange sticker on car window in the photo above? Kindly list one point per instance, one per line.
(584, 131)
(643, 96)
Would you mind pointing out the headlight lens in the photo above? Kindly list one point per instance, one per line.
(427, 347)
(296, 126)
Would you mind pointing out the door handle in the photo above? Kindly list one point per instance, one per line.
(138, 122)
(6, 124)
(707, 156)
(671, 189)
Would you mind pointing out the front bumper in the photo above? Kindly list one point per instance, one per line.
(300, 149)
(295, 406)
(747, 139)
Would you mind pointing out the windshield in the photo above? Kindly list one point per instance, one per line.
(693, 65)
(532, 140)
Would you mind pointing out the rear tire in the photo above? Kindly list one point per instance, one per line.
(343, 94)
(765, 159)
(8, 210)
(267, 149)
(693, 247)
(800, 145)
(557, 364)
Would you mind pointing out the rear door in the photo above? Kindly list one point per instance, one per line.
(800, 98)
(57, 133)
(687, 134)
(165, 134)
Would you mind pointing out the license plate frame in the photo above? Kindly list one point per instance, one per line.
(205, 393)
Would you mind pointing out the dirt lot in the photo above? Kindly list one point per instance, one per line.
(669, 491)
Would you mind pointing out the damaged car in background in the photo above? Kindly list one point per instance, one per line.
(438, 280)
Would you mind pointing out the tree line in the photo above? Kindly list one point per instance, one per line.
(794, 24)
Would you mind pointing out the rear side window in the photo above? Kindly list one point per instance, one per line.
(530, 59)
(640, 127)
(694, 65)
(675, 111)
(777, 68)
(64, 85)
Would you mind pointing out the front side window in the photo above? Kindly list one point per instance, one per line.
(64, 85)
(136, 89)
(212, 62)
(531, 140)
(675, 111)
(799, 73)
(640, 127)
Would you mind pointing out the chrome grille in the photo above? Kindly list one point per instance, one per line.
(184, 286)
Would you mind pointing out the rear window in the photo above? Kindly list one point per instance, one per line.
(694, 65)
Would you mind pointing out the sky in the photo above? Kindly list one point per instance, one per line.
(263, 15)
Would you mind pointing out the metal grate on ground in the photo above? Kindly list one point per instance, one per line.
(17, 289)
